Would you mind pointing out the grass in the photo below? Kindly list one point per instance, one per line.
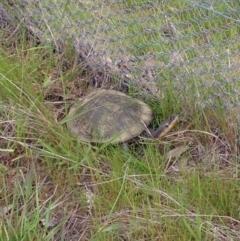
(53, 187)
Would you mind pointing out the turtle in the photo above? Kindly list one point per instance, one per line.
(107, 115)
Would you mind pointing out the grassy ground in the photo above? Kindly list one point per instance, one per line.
(54, 187)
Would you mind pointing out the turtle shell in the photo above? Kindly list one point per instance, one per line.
(108, 116)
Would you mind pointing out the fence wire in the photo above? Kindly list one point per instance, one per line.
(189, 47)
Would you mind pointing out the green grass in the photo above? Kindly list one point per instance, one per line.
(185, 187)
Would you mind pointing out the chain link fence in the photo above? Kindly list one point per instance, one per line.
(187, 47)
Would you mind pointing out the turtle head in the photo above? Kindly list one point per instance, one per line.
(165, 127)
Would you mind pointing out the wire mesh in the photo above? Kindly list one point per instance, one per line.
(189, 47)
